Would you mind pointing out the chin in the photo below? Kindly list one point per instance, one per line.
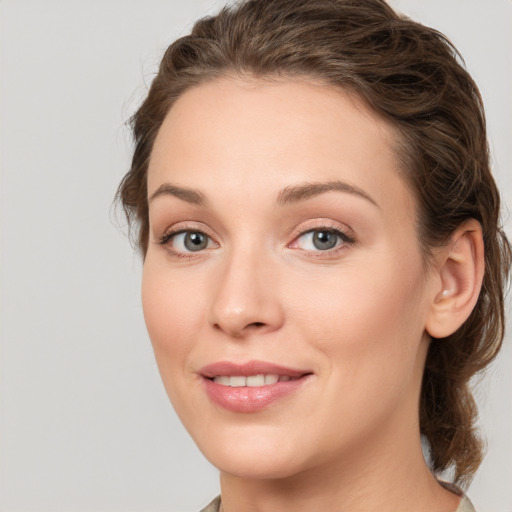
(256, 468)
(254, 458)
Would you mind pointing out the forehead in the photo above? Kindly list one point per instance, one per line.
(234, 136)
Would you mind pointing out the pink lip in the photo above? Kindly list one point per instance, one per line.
(250, 399)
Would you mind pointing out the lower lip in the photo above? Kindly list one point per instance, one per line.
(251, 399)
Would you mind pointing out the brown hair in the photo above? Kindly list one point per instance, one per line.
(412, 76)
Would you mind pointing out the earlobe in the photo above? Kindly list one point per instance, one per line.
(460, 271)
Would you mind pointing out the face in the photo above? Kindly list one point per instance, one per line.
(283, 288)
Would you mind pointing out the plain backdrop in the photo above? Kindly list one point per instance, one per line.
(85, 424)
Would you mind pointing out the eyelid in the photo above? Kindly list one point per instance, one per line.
(323, 224)
(180, 227)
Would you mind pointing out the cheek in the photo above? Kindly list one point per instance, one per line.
(174, 316)
(368, 329)
(172, 311)
(366, 319)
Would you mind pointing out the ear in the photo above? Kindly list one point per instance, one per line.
(460, 269)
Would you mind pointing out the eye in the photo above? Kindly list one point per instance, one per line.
(187, 241)
(323, 239)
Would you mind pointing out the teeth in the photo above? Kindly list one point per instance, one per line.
(256, 380)
(237, 382)
(224, 380)
(251, 381)
(271, 379)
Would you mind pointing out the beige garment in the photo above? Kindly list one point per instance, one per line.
(214, 506)
(464, 506)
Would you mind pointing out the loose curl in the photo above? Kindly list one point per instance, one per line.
(414, 78)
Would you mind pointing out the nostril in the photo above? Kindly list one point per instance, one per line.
(256, 324)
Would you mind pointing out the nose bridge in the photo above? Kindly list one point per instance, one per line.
(245, 299)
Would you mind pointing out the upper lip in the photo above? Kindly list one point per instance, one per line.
(228, 368)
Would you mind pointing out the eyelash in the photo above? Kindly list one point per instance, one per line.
(343, 237)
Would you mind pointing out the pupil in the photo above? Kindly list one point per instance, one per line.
(324, 240)
(195, 241)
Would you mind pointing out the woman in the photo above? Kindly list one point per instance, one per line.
(323, 260)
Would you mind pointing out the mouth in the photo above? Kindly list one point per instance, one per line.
(251, 387)
(251, 381)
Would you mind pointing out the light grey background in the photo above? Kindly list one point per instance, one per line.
(84, 422)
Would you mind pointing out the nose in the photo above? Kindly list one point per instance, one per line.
(246, 300)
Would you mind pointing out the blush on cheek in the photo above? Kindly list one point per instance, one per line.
(366, 315)
(171, 307)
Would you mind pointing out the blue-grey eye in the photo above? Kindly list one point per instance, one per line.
(324, 240)
(190, 241)
(321, 240)
(195, 241)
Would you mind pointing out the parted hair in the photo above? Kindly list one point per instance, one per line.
(413, 77)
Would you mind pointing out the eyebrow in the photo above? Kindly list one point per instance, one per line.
(288, 195)
(309, 190)
(186, 194)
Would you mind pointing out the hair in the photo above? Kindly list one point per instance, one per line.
(415, 79)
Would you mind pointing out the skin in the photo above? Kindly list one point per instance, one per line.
(356, 316)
